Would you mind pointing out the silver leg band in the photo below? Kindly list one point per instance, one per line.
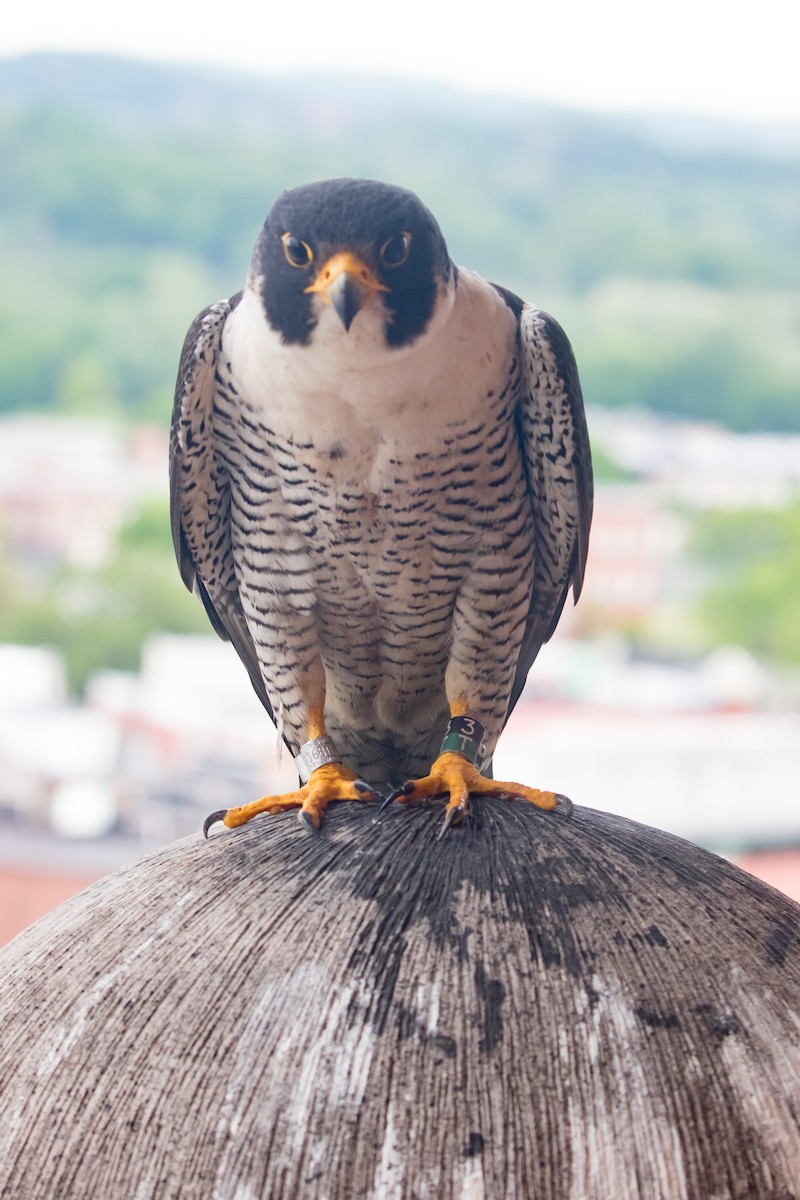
(316, 753)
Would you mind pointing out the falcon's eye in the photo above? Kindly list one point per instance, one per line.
(395, 249)
(297, 252)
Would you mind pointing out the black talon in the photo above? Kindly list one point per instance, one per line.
(212, 819)
(390, 799)
(405, 789)
(305, 820)
(564, 806)
(453, 818)
(362, 786)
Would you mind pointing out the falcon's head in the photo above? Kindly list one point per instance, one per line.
(350, 244)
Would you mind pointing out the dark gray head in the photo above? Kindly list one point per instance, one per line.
(349, 241)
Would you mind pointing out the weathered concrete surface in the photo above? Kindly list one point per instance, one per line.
(527, 1009)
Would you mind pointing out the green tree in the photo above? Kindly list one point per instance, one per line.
(100, 619)
(120, 219)
(753, 557)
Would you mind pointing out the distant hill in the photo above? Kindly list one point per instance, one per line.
(133, 192)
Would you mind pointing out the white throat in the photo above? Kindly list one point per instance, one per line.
(341, 378)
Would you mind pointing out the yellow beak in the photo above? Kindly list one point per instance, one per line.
(346, 283)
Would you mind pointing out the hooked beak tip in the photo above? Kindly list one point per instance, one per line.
(347, 296)
(347, 284)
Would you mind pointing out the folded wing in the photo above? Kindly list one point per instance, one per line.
(555, 446)
(199, 492)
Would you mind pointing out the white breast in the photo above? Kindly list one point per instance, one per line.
(352, 385)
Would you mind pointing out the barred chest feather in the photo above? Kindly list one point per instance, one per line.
(349, 454)
(388, 506)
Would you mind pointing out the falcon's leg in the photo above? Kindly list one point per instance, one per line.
(329, 781)
(455, 774)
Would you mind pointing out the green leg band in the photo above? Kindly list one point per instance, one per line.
(464, 735)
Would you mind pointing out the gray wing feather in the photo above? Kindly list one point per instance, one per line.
(557, 457)
(199, 493)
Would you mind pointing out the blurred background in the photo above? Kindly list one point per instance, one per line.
(635, 172)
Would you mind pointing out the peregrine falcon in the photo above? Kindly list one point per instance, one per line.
(381, 492)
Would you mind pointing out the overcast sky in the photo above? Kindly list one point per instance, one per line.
(716, 57)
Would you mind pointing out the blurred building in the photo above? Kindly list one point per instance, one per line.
(727, 780)
(145, 755)
(700, 464)
(67, 485)
(635, 549)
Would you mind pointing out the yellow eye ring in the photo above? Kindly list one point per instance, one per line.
(395, 250)
(297, 253)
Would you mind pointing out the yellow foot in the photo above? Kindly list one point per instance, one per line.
(329, 782)
(454, 776)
